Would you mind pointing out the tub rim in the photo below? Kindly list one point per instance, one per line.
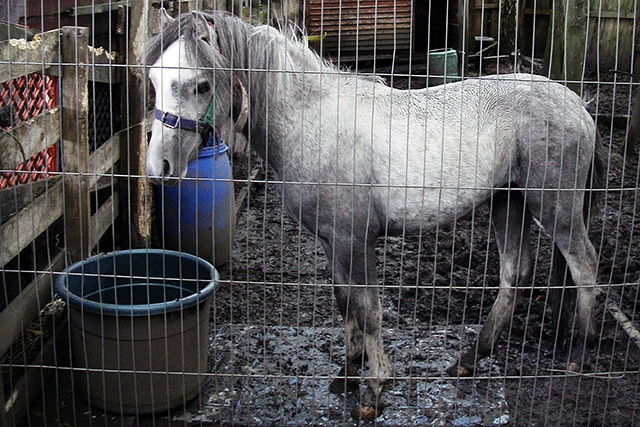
(77, 302)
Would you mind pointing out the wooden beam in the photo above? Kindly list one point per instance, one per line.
(134, 166)
(13, 31)
(485, 6)
(471, 27)
(611, 14)
(102, 66)
(105, 181)
(75, 139)
(19, 57)
(23, 141)
(20, 230)
(538, 11)
(16, 198)
(102, 160)
(94, 9)
(103, 219)
(593, 13)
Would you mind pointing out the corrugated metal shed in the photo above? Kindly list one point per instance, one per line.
(360, 29)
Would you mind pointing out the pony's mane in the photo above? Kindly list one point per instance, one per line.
(241, 46)
(182, 27)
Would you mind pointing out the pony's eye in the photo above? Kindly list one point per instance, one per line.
(203, 87)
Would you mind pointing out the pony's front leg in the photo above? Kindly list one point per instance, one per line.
(380, 370)
(363, 305)
(359, 303)
(347, 379)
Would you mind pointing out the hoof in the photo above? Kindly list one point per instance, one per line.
(457, 370)
(578, 365)
(365, 413)
(573, 367)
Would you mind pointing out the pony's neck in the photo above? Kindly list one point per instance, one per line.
(285, 74)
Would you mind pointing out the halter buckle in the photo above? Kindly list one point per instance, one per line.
(167, 123)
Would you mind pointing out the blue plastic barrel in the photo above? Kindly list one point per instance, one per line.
(198, 215)
(139, 322)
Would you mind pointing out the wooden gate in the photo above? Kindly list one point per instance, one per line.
(57, 219)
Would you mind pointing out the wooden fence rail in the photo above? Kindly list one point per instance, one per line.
(29, 210)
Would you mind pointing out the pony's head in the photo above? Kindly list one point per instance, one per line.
(199, 64)
(188, 76)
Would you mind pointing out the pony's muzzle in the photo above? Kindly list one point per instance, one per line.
(160, 172)
(166, 168)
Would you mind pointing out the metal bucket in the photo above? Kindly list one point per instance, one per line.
(139, 327)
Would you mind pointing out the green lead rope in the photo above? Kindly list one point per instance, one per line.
(208, 116)
(214, 138)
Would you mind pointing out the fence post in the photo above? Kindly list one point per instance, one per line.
(75, 138)
(139, 187)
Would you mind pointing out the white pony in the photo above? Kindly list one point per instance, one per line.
(358, 160)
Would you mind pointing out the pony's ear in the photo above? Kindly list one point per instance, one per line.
(165, 18)
(204, 30)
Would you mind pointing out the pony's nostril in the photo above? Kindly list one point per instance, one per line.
(166, 168)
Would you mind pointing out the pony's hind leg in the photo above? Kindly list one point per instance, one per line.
(569, 233)
(511, 222)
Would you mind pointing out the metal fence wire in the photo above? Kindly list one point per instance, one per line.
(201, 203)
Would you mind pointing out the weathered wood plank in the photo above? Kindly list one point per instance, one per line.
(31, 137)
(103, 219)
(565, 50)
(13, 31)
(615, 38)
(140, 187)
(105, 181)
(103, 159)
(16, 198)
(26, 306)
(102, 66)
(75, 139)
(19, 57)
(20, 230)
(594, 13)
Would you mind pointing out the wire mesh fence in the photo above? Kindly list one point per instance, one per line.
(223, 204)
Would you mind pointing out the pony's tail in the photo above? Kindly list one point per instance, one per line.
(563, 293)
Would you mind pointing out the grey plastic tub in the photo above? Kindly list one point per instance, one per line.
(139, 326)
